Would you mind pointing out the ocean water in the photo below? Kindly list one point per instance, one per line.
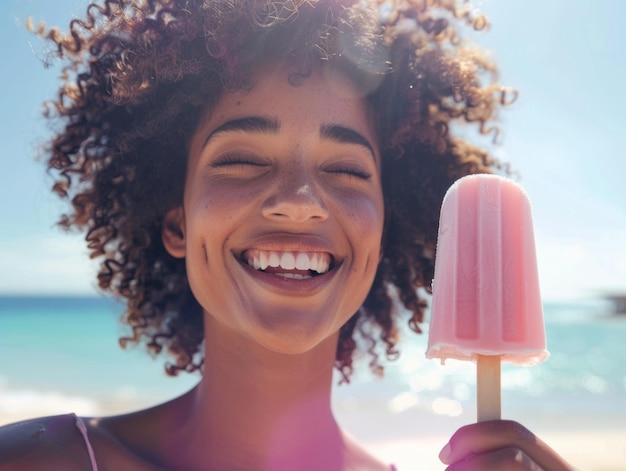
(61, 355)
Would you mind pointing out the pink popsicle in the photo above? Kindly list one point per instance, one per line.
(486, 302)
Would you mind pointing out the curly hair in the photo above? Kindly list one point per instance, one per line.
(138, 75)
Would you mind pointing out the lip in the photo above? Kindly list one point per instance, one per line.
(286, 242)
(289, 286)
(290, 243)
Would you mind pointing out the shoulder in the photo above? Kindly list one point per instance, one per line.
(47, 443)
(57, 444)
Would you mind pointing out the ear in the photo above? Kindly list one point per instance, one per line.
(173, 232)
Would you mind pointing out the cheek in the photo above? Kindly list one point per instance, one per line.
(372, 233)
(363, 222)
(366, 216)
(207, 217)
(219, 201)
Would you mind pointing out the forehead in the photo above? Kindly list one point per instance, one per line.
(323, 93)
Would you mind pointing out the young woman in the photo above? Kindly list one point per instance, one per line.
(262, 182)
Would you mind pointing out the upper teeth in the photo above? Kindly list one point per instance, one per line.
(261, 259)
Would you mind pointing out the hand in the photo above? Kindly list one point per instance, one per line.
(500, 445)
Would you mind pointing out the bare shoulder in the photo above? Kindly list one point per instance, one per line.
(57, 444)
(50, 443)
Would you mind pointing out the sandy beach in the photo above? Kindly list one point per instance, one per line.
(588, 450)
(588, 443)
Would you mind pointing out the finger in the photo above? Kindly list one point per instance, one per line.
(483, 437)
(503, 459)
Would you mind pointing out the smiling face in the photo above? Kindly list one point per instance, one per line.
(282, 218)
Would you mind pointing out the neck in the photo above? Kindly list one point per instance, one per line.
(256, 409)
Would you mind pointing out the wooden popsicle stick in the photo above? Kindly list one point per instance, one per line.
(488, 387)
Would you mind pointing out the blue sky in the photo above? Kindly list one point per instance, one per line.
(564, 135)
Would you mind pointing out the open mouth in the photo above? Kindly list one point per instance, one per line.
(293, 265)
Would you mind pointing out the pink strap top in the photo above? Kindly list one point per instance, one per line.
(80, 424)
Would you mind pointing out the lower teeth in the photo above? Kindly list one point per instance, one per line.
(295, 276)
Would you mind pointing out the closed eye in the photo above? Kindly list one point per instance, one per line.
(351, 171)
(237, 160)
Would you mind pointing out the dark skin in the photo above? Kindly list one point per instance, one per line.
(284, 216)
(308, 201)
(503, 445)
(500, 444)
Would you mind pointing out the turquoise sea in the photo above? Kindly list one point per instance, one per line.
(61, 355)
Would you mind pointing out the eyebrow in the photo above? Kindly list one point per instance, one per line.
(251, 124)
(263, 125)
(344, 135)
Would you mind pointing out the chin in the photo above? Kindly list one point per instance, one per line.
(293, 340)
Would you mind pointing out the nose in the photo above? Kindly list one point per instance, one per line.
(295, 198)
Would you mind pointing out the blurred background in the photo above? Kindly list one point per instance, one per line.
(564, 136)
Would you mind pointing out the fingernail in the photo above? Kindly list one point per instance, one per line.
(445, 453)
